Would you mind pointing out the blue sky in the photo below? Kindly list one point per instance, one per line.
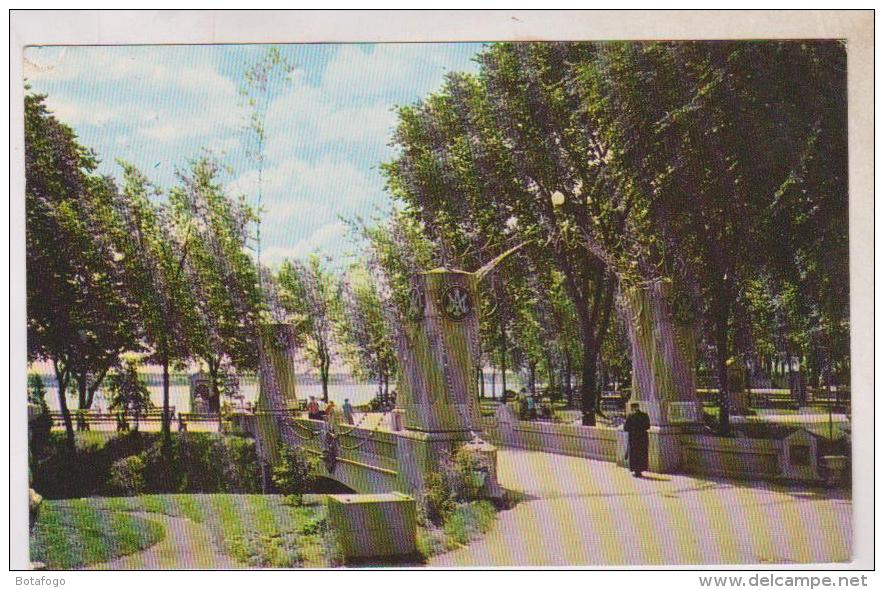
(328, 126)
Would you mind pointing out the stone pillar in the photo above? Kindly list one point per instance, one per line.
(278, 384)
(439, 350)
(662, 373)
(438, 392)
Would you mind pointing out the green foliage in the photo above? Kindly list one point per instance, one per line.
(310, 296)
(261, 550)
(128, 392)
(704, 166)
(199, 463)
(220, 271)
(439, 498)
(363, 327)
(81, 302)
(463, 523)
(468, 521)
(127, 475)
(39, 428)
(295, 472)
(460, 478)
(467, 472)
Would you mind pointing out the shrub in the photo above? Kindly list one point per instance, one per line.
(439, 498)
(468, 473)
(127, 475)
(467, 522)
(209, 463)
(40, 427)
(461, 478)
(242, 472)
(295, 472)
(264, 550)
(199, 463)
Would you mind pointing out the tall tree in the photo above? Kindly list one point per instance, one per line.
(514, 143)
(713, 143)
(80, 303)
(159, 242)
(220, 271)
(311, 293)
(363, 330)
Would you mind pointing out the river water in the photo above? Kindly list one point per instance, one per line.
(340, 387)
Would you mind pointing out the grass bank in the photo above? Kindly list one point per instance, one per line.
(71, 534)
(264, 531)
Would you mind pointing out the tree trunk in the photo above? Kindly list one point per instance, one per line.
(551, 385)
(481, 382)
(494, 383)
(724, 425)
(215, 402)
(81, 390)
(568, 390)
(503, 358)
(61, 377)
(532, 376)
(588, 382)
(167, 429)
(323, 375)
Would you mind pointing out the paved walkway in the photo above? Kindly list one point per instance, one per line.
(578, 512)
(186, 545)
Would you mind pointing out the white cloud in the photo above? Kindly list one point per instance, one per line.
(166, 131)
(328, 239)
(77, 114)
(326, 130)
(151, 86)
(131, 65)
(295, 187)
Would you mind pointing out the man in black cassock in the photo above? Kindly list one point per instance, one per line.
(637, 425)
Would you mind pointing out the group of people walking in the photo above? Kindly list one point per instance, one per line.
(320, 410)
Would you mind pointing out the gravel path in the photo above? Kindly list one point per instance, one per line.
(186, 545)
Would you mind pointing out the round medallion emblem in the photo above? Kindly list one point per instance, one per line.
(456, 303)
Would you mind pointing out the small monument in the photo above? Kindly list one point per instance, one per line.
(373, 526)
(200, 393)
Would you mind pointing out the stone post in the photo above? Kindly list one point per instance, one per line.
(278, 384)
(439, 353)
(662, 373)
(438, 392)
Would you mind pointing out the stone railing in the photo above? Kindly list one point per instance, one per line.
(794, 457)
(590, 442)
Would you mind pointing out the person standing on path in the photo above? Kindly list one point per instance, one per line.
(348, 412)
(332, 416)
(637, 425)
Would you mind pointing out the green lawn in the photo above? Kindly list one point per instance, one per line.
(71, 534)
(256, 530)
